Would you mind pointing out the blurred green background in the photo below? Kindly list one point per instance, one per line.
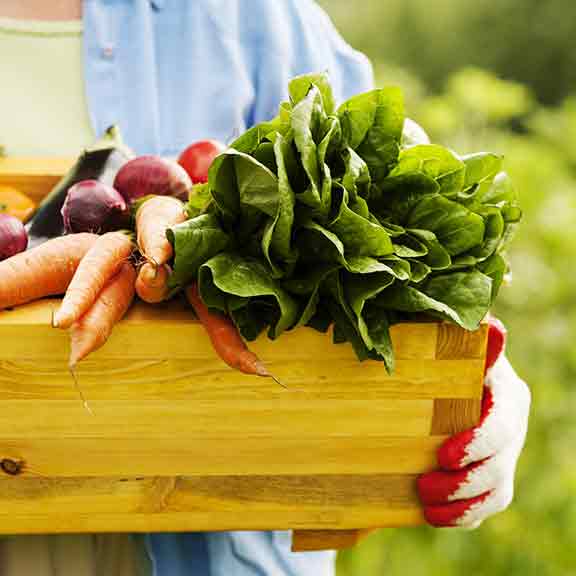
(498, 76)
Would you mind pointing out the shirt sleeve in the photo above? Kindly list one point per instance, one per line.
(293, 37)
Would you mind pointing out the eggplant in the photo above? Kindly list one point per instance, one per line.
(101, 162)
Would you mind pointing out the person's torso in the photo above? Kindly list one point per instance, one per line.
(169, 72)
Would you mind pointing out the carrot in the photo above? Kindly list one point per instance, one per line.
(93, 329)
(226, 339)
(153, 217)
(152, 283)
(42, 271)
(101, 262)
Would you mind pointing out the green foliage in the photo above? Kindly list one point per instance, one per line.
(535, 537)
(529, 41)
(333, 192)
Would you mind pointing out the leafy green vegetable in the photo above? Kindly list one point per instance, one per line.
(435, 161)
(372, 123)
(199, 200)
(300, 86)
(495, 267)
(457, 228)
(231, 274)
(360, 236)
(276, 240)
(194, 242)
(463, 297)
(322, 217)
(481, 168)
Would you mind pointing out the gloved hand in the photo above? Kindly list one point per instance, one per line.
(476, 475)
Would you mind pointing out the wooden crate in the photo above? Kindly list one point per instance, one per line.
(178, 441)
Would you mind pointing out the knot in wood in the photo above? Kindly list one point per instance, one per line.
(11, 467)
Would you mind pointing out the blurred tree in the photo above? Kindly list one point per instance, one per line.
(529, 41)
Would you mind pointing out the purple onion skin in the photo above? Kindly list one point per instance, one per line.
(13, 237)
(92, 206)
(152, 175)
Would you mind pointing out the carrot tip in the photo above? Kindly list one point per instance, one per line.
(261, 370)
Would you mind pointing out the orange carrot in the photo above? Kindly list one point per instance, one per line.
(42, 271)
(225, 338)
(94, 328)
(101, 262)
(152, 219)
(152, 283)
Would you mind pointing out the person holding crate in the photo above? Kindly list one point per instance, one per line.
(169, 72)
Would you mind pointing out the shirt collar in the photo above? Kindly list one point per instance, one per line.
(157, 4)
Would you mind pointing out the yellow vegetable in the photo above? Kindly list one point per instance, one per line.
(15, 203)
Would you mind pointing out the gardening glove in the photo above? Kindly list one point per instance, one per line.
(476, 475)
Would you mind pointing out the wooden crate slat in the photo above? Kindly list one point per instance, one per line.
(77, 457)
(453, 342)
(70, 521)
(103, 378)
(177, 334)
(454, 415)
(314, 540)
(230, 419)
(338, 501)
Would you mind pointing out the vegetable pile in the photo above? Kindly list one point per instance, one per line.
(320, 217)
(98, 265)
(333, 216)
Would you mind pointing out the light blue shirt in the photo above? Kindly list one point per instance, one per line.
(170, 72)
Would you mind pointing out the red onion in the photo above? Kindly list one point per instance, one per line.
(92, 206)
(197, 158)
(13, 237)
(147, 175)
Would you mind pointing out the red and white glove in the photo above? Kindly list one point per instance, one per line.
(476, 475)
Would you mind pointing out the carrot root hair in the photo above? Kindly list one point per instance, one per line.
(79, 390)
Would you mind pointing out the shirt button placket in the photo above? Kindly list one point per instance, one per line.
(107, 52)
(110, 86)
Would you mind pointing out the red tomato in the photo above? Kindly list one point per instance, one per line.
(197, 158)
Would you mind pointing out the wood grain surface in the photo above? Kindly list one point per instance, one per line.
(178, 441)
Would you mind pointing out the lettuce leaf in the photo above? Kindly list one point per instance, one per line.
(323, 216)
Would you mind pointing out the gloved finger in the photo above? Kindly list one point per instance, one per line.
(505, 416)
(471, 512)
(438, 486)
(451, 514)
(441, 487)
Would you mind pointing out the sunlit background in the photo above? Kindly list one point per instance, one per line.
(499, 76)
